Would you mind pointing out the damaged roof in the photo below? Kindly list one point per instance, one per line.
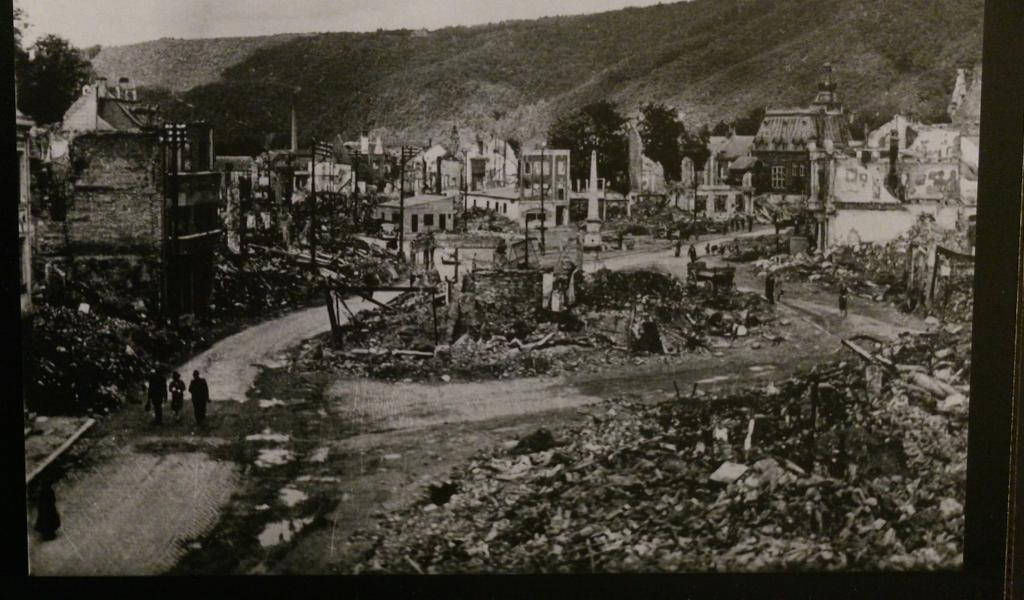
(794, 129)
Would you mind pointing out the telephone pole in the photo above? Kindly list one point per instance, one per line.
(320, 149)
(543, 214)
(407, 155)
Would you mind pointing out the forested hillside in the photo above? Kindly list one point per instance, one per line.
(711, 59)
(176, 64)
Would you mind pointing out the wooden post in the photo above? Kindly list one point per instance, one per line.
(332, 315)
(433, 310)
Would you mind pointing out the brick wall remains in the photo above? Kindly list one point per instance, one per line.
(117, 203)
(498, 302)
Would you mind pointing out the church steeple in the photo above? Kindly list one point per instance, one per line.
(827, 98)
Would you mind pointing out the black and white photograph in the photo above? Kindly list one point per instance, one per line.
(327, 287)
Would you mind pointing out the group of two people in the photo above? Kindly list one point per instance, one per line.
(158, 391)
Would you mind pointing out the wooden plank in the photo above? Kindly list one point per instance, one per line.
(868, 356)
(60, 450)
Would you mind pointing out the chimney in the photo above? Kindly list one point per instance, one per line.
(295, 129)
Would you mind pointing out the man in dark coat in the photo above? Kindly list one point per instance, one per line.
(200, 396)
(693, 253)
(157, 397)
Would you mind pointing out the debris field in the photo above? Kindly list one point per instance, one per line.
(855, 465)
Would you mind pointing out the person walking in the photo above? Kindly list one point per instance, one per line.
(47, 517)
(157, 396)
(842, 301)
(707, 249)
(177, 389)
(769, 288)
(693, 253)
(200, 392)
(679, 246)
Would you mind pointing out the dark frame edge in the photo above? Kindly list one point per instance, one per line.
(987, 552)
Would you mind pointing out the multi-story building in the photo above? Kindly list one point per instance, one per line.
(490, 165)
(793, 142)
(545, 173)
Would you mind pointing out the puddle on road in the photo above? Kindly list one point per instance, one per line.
(715, 379)
(319, 455)
(271, 403)
(318, 478)
(291, 496)
(267, 436)
(282, 531)
(270, 457)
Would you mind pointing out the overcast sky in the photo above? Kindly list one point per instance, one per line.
(113, 22)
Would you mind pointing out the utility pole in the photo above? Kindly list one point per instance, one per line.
(543, 215)
(320, 149)
(526, 240)
(406, 156)
(173, 137)
(312, 204)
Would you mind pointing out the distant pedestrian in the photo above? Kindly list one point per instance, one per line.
(842, 301)
(679, 246)
(157, 396)
(177, 389)
(707, 249)
(200, 392)
(769, 288)
(693, 253)
(47, 517)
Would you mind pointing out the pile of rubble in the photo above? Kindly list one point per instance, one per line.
(857, 465)
(879, 272)
(80, 360)
(744, 250)
(610, 323)
(268, 280)
(90, 349)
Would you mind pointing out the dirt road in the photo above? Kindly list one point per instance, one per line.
(231, 365)
(132, 496)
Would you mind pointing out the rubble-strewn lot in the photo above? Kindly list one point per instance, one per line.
(879, 272)
(854, 466)
(618, 316)
(90, 352)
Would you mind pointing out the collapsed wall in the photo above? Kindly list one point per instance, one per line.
(502, 302)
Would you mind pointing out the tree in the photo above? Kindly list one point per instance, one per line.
(52, 79)
(721, 128)
(599, 127)
(750, 123)
(662, 134)
(695, 147)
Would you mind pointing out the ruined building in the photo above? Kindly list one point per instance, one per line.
(143, 217)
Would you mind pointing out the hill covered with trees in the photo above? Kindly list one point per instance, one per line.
(712, 60)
